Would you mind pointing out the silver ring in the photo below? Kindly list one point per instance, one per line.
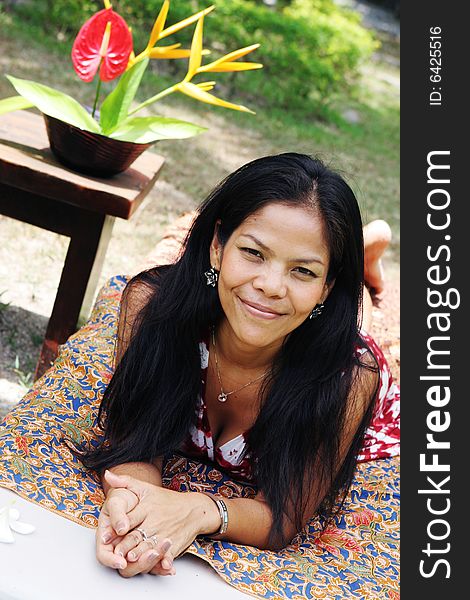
(142, 532)
(148, 538)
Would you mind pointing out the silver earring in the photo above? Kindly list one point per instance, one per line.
(317, 311)
(211, 276)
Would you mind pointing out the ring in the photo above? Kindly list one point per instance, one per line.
(142, 532)
(148, 538)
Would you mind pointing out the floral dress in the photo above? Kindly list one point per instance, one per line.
(381, 440)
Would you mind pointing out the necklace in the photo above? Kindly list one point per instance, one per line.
(222, 397)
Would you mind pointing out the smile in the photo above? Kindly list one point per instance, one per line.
(259, 311)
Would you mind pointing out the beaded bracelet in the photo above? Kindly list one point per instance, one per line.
(223, 512)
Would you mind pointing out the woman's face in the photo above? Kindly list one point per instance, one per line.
(273, 272)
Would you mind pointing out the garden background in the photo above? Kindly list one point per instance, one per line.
(329, 87)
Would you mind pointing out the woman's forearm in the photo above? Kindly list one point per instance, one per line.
(148, 472)
(250, 521)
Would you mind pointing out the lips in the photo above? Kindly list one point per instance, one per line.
(260, 310)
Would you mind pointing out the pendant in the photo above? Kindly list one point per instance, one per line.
(222, 397)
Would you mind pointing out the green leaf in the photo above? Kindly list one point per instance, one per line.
(116, 105)
(55, 104)
(144, 130)
(14, 103)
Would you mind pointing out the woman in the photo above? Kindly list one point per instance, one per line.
(246, 352)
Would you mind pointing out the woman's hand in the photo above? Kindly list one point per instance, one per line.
(174, 518)
(115, 508)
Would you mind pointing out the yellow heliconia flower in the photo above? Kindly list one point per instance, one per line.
(226, 63)
(185, 22)
(198, 92)
(195, 57)
(206, 86)
(159, 33)
(173, 51)
(158, 25)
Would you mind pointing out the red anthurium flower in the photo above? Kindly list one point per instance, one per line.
(105, 38)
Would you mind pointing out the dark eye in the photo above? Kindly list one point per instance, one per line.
(252, 252)
(304, 271)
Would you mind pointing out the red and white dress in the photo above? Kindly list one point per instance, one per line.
(382, 438)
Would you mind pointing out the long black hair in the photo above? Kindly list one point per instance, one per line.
(150, 402)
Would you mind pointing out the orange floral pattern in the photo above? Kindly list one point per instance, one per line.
(354, 557)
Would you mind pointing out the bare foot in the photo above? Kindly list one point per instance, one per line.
(377, 236)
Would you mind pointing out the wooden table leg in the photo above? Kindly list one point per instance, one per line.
(85, 255)
(95, 274)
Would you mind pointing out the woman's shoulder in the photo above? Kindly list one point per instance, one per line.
(374, 373)
(369, 352)
(366, 371)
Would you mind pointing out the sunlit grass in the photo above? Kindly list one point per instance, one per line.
(366, 151)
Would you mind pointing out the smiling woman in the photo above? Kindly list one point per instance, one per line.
(273, 272)
(246, 353)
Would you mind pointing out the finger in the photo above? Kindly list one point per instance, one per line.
(161, 546)
(167, 562)
(144, 565)
(125, 481)
(138, 551)
(131, 542)
(165, 566)
(118, 517)
(159, 570)
(104, 531)
(105, 555)
(134, 518)
(148, 559)
(107, 534)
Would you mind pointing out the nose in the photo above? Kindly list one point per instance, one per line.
(271, 281)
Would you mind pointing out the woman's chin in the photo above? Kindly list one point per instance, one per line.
(258, 338)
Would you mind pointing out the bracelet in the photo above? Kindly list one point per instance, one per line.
(223, 512)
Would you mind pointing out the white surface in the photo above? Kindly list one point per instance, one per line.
(57, 561)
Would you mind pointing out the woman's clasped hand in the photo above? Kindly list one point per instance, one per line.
(142, 527)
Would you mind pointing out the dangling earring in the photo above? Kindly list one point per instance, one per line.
(317, 311)
(211, 276)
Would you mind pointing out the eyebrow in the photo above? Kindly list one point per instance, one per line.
(305, 261)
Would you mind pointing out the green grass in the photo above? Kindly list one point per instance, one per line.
(366, 152)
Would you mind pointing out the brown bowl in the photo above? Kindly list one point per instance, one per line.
(88, 152)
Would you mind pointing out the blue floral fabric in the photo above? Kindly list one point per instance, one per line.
(355, 557)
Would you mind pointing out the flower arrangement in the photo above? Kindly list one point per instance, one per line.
(104, 45)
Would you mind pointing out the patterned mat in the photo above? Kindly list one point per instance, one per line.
(356, 557)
